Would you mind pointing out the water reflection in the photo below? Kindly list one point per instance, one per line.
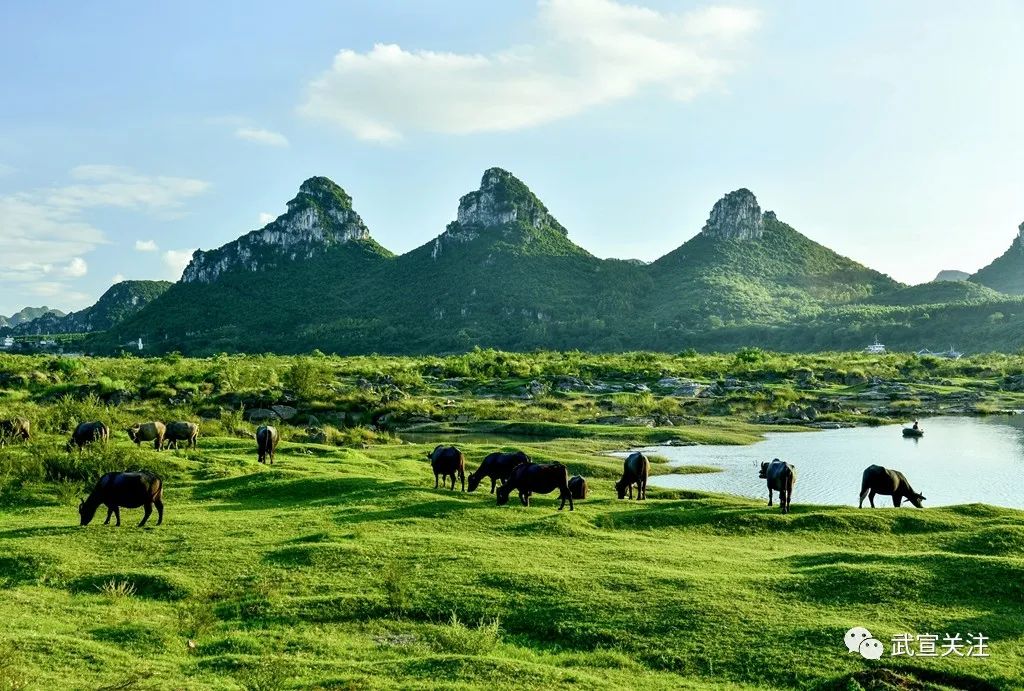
(958, 461)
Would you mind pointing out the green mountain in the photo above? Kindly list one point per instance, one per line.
(747, 266)
(117, 304)
(1006, 273)
(26, 315)
(506, 274)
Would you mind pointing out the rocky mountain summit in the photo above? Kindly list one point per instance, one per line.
(318, 218)
(736, 216)
(952, 275)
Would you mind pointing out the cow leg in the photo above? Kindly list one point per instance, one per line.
(156, 444)
(493, 484)
(117, 515)
(769, 496)
(871, 498)
(782, 501)
(110, 512)
(631, 490)
(524, 498)
(435, 480)
(159, 503)
(863, 494)
(462, 479)
(148, 510)
(897, 500)
(643, 490)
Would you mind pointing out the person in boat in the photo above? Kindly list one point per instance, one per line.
(917, 426)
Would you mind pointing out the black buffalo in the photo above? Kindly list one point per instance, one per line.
(539, 478)
(578, 487)
(635, 470)
(879, 480)
(87, 433)
(447, 461)
(128, 490)
(497, 466)
(267, 439)
(780, 476)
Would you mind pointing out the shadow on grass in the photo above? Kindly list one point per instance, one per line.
(141, 585)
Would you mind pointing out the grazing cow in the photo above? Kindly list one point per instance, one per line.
(266, 443)
(781, 477)
(88, 432)
(541, 478)
(187, 432)
(578, 487)
(879, 480)
(148, 431)
(635, 470)
(15, 428)
(128, 490)
(447, 461)
(497, 466)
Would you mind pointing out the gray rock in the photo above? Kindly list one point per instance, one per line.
(736, 216)
(285, 412)
(260, 415)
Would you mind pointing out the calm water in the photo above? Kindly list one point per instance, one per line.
(959, 461)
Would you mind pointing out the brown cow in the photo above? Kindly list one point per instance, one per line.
(87, 433)
(497, 466)
(635, 470)
(879, 480)
(541, 478)
(130, 490)
(447, 461)
(15, 428)
(148, 431)
(187, 432)
(267, 439)
(578, 487)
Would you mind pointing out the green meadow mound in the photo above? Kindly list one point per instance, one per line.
(343, 568)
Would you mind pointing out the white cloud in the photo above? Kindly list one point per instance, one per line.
(116, 279)
(261, 136)
(266, 218)
(45, 232)
(176, 261)
(76, 268)
(146, 246)
(589, 53)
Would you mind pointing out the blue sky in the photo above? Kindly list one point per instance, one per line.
(132, 133)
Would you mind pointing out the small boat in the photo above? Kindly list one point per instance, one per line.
(911, 432)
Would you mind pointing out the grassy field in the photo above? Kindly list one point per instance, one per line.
(344, 568)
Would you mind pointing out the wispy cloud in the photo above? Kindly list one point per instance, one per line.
(589, 53)
(176, 261)
(46, 232)
(146, 246)
(261, 136)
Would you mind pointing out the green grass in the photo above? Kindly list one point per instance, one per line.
(344, 568)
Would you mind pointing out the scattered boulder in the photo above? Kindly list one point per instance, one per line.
(260, 415)
(316, 435)
(285, 412)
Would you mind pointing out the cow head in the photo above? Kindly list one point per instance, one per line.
(502, 494)
(133, 433)
(86, 512)
(620, 488)
(916, 499)
(763, 473)
(474, 482)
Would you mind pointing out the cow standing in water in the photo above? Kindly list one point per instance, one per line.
(879, 480)
(541, 478)
(497, 466)
(128, 490)
(266, 443)
(781, 477)
(635, 470)
(447, 461)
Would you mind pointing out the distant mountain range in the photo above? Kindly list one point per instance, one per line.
(506, 274)
(119, 302)
(27, 315)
